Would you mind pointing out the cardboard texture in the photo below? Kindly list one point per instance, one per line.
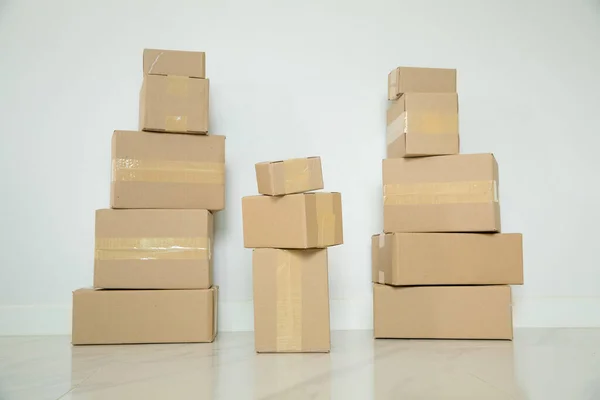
(420, 80)
(295, 221)
(153, 249)
(456, 193)
(174, 104)
(144, 316)
(423, 124)
(153, 170)
(410, 259)
(291, 300)
(290, 176)
(442, 312)
(190, 64)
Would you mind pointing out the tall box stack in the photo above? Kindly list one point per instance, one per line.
(290, 230)
(441, 269)
(153, 264)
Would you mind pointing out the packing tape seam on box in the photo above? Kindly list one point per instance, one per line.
(135, 170)
(153, 248)
(176, 123)
(289, 304)
(296, 175)
(177, 85)
(431, 123)
(396, 129)
(325, 222)
(441, 193)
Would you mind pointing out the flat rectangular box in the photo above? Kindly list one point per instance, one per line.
(153, 249)
(190, 64)
(297, 175)
(457, 193)
(296, 221)
(144, 316)
(291, 301)
(420, 80)
(442, 312)
(417, 259)
(153, 170)
(174, 104)
(423, 124)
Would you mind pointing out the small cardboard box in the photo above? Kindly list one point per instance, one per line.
(291, 300)
(153, 249)
(295, 221)
(174, 104)
(297, 175)
(423, 124)
(442, 312)
(457, 193)
(153, 170)
(189, 64)
(420, 80)
(416, 259)
(144, 316)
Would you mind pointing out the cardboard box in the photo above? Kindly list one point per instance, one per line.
(174, 104)
(457, 193)
(153, 170)
(296, 221)
(191, 64)
(423, 124)
(442, 312)
(144, 316)
(291, 300)
(153, 249)
(420, 80)
(290, 176)
(414, 259)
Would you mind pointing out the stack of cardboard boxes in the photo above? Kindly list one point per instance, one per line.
(153, 279)
(441, 269)
(290, 231)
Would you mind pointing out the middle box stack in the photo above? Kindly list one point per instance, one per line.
(441, 269)
(290, 230)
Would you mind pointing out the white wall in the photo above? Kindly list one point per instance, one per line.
(292, 79)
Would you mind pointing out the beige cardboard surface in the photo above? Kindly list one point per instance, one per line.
(423, 124)
(414, 259)
(442, 312)
(291, 300)
(295, 221)
(420, 80)
(174, 104)
(456, 193)
(171, 62)
(144, 316)
(153, 249)
(297, 175)
(154, 170)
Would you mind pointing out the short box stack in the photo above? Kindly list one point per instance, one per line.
(290, 231)
(153, 278)
(441, 270)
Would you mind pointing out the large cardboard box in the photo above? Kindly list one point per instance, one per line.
(442, 312)
(423, 124)
(457, 193)
(420, 80)
(296, 221)
(290, 176)
(153, 249)
(144, 316)
(291, 300)
(174, 104)
(153, 170)
(413, 259)
(172, 62)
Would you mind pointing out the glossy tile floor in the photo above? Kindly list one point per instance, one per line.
(540, 364)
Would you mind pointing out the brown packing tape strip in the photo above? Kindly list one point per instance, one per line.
(134, 170)
(441, 193)
(153, 248)
(432, 123)
(289, 304)
(176, 123)
(177, 85)
(396, 129)
(381, 258)
(296, 175)
(325, 220)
